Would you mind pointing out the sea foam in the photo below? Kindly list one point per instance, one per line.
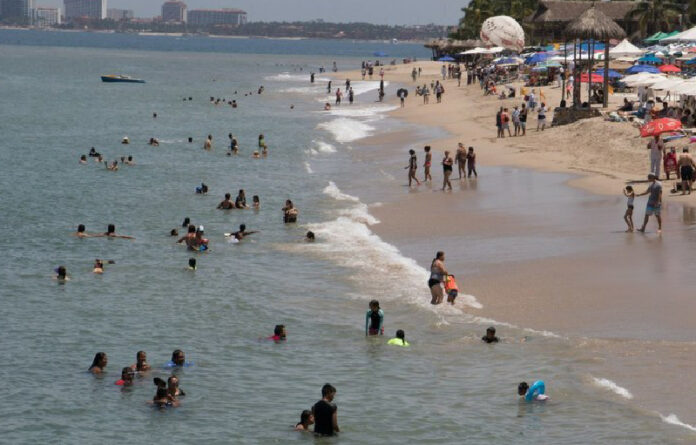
(672, 419)
(344, 129)
(613, 387)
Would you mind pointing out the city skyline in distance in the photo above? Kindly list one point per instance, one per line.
(390, 12)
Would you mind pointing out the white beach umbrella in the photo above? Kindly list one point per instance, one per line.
(687, 36)
(668, 84)
(625, 49)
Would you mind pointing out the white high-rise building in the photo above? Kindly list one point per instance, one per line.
(46, 17)
(93, 9)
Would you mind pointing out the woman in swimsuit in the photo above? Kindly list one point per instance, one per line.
(289, 212)
(447, 170)
(240, 202)
(437, 276)
(428, 163)
(99, 363)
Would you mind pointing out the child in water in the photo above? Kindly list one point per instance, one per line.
(399, 340)
(98, 266)
(374, 319)
(451, 288)
(256, 202)
(628, 216)
(306, 420)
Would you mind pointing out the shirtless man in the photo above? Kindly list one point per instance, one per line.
(686, 167)
(241, 233)
(460, 160)
(111, 233)
(227, 203)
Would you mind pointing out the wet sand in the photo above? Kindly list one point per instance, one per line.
(540, 254)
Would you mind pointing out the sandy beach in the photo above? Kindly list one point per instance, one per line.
(539, 254)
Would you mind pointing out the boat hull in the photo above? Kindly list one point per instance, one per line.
(120, 79)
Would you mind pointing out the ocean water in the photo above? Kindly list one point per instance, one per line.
(446, 388)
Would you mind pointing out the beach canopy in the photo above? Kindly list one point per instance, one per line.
(650, 58)
(625, 49)
(690, 61)
(668, 84)
(687, 36)
(669, 69)
(596, 78)
(536, 58)
(635, 69)
(446, 59)
(473, 51)
(642, 79)
(508, 61)
(656, 37)
(659, 126)
(612, 74)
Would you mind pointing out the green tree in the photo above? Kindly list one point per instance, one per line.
(656, 15)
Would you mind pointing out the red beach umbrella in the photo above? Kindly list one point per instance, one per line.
(659, 126)
(596, 78)
(669, 69)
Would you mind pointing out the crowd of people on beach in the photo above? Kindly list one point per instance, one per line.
(465, 160)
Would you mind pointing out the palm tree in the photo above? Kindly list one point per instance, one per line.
(656, 15)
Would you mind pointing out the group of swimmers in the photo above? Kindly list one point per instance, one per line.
(168, 392)
(111, 166)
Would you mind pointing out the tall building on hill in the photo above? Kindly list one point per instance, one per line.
(46, 17)
(119, 14)
(174, 11)
(18, 11)
(93, 9)
(204, 17)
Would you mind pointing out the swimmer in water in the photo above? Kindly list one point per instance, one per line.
(99, 159)
(173, 388)
(399, 340)
(98, 266)
(126, 379)
(173, 232)
(99, 363)
(264, 152)
(111, 233)
(111, 167)
(162, 398)
(61, 274)
(186, 222)
(309, 237)
(202, 189)
(451, 289)
(241, 233)
(130, 161)
(125, 140)
(192, 264)
(240, 201)
(83, 159)
(256, 155)
(374, 319)
(227, 203)
(208, 145)
(306, 420)
(289, 212)
(256, 203)
(262, 141)
(198, 243)
(190, 140)
(178, 358)
(535, 392)
(93, 153)
(279, 333)
(188, 238)
(234, 146)
(490, 336)
(80, 233)
(141, 364)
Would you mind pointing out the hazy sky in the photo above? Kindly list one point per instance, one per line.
(392, 12)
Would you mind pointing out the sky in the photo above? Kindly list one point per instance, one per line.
(390, 12)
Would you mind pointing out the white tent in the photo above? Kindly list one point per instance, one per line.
(474, 51)
(494, 50)
(688, 87)
(668, 84)
(687, 36)
(625, 49)
(643, 79)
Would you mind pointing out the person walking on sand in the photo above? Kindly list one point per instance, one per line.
(656, 147)
(412, 167)
(654, 202)
(460, 160)
(437, 277)
(426, 94)
(686, 167)
(447, 171)
(427, 164)
(628, 216)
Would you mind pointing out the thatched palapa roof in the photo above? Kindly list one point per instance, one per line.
(594, 24)
(559, 11)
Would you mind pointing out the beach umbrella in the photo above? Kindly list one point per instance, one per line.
(446, 59)
(673, 136)
(536, 58)
(596, 78)
(612, 74)
(402, 92)
(690, 61)
(625, 49)
(635, 69)
(659, 126)
(595, 25)
(669, 69)
(650, 58)
(508, 61)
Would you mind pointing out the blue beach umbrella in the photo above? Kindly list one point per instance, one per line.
(635, 69)
(507, 61)
(612, 74)
(446, 59)
(536, 58)
(691, 61)
(650, 59)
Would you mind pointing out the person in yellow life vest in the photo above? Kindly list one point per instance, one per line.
(400, 339)
(451, 288)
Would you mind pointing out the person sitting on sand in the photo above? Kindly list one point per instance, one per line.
(111, 233)
(226, 204)
(399, 340)
(141, 364)
(99, 363)
(306, 420)
(490, 336)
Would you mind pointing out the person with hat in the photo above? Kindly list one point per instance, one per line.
(654, 202)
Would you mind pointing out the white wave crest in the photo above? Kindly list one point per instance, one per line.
(288, 77)
(370, 111)
(323, 147)
(308, 168)
(347, 130)
(672, 419)
(613, 387)
(336, 193)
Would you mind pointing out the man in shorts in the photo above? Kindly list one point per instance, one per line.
(654, 202)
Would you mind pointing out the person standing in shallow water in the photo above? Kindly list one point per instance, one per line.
(460, 160)
(374, 319)
(447, 171)
(437, 276)
(412, 167)
(325, 413)
(428, 163)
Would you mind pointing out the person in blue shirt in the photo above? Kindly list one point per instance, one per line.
(535, 392)
(374, 319)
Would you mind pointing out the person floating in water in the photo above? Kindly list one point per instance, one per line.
(374, 319)
(309, 237)
(80, 233)
(279, 333)
(99, 363)
(325, 413)
(490, 336)
(61, 274)
(192, 264)
(306, 420)
(535, 392)
(399, 340)
(141, 364)
(111, 233)
(126, 379)
(241, 233)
